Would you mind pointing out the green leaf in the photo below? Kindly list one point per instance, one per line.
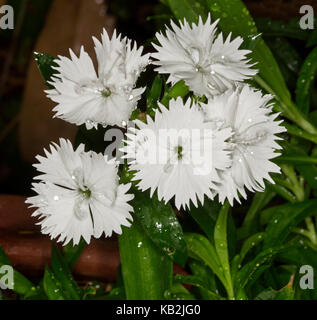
(309, 172)
(297, 132)
(249, 244)
(72, 253)
(45, 63)
(221, 245)
(62, 273)
(178, 292)
(270, 294)
(259, 201)
(295, 159)
(281, 190)
(253, 269)
(201, 271)
(21, 284)
(146, 271)
(206, 216)
(191, 9)
(159, 222)
(179, 89)
(200, 248)
(273, 28)
(52, 286)
(154, 95)
(305, 81)
(199, 283)
(287, 58)
(285, 53)
(155, 92)
(285, 219)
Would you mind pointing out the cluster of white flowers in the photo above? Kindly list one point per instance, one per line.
(235, 129)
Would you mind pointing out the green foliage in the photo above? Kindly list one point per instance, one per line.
(45, 63)
(159, 222)
(147, 273)
(306, 80)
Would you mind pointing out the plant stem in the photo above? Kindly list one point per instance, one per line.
(294, 185)
(290, 110)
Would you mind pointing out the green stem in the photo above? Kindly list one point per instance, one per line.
(311, 230)
(290, 110)
(294, 184)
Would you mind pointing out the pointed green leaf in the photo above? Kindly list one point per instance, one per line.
(285, 219)
(62, 273)
(253, 269)
(178, 292)
(199, 283)
(200, 248)
(179, 89)
(146, 271)
(52, 286)
(160, 223)
(250, 243)
(274, 28)
(305, 81)
(191, 9)
(221, 244)
(45, 63)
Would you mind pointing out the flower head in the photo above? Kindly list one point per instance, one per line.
(248, 113)
(208, 63)
(177, 154)
(108, 97)
(79, 194)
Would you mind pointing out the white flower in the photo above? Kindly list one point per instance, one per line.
(177, 154)
(250, 117)
(107, 97)
(208, 64)
(79, 194)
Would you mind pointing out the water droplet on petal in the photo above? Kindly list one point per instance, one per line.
(81, 209)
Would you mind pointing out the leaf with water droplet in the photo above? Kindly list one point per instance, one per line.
(146, 271)
(161, 224)
(52, 287)
(305, 81)
(63, 274)
(288, 216)
(45, 63)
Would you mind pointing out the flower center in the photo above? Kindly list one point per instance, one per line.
(106, 92)
(179, 151)
(86, 193)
